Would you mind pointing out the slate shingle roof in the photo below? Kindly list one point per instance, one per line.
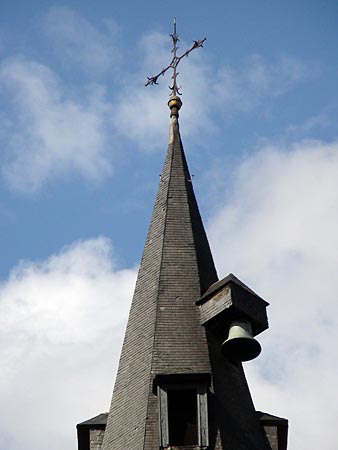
(164, 335)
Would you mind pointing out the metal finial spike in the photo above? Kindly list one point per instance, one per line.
(175, 90)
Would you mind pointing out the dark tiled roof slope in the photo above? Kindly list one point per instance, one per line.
(101, 419)
(164, 335)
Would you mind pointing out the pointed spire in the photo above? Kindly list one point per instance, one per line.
(176, 269)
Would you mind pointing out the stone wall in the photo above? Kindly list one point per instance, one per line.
(96, 439)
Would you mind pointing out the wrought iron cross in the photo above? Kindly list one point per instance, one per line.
(175, 90)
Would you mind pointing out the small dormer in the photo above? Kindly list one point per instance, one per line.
(275, 429)
(90, 432)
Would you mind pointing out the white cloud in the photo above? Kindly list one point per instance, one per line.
(49, 128)
(326, 120)
(278, 232)
(61, 327)
(78, 41)
(51, 133)
(257, 81)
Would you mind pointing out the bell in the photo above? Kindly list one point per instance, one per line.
(241, 345)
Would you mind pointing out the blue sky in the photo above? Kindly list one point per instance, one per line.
(82, 146)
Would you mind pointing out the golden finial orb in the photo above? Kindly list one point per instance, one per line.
(174, 104)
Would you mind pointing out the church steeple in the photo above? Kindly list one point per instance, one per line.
(164, 335)
(175, 388)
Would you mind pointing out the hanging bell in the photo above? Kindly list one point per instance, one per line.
(241, 345)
